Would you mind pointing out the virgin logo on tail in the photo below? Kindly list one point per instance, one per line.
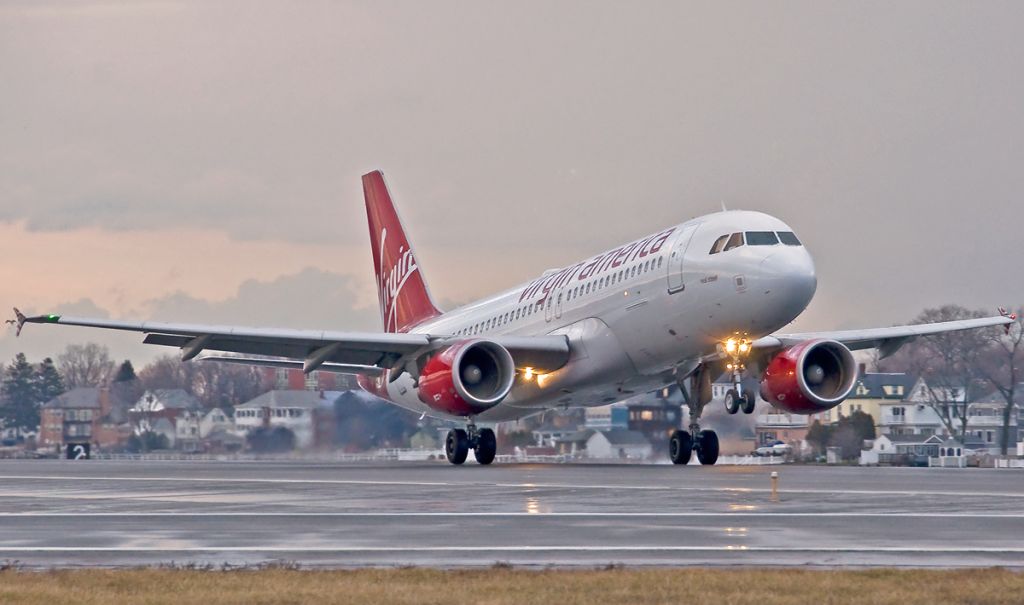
(392, 281)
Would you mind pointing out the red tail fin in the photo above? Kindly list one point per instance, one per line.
(403, 295)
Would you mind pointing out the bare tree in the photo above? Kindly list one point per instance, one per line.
(950, 365)
(85, 365)
(1002, 367)
(213, 384)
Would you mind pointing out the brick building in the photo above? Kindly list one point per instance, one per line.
(94, 415)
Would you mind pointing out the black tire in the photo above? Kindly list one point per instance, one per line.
(680, 447)
(748, 403)
(707, 447)
(486, 447)
(456, 446)
(732, 401)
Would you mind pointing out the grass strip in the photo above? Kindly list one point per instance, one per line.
(502, 585)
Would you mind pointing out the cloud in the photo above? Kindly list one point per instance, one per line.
(309, 299)
(519, 136)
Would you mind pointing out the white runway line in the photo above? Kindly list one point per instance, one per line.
(662, 488)
(520, 548)
(517, 514)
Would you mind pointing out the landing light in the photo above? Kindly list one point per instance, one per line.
(730, 346)
(528, 373)
(744, 347)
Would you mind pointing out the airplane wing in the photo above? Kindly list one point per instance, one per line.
(886, 340)
(311, 349)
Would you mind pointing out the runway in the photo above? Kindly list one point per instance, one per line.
(63, 514)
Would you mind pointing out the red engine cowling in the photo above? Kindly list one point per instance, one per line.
(467, 377)
(811, 377)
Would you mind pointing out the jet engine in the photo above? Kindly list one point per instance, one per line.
(467, 378)
(810, 377)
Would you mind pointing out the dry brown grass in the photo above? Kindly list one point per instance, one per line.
(501, 585)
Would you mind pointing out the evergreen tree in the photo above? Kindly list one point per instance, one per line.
(20, 395)
(125, 373)
(49, 384)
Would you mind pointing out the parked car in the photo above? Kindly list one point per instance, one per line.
(776, 449)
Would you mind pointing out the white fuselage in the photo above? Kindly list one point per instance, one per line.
(638, 312)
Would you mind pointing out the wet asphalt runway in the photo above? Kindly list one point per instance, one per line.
(61, 513)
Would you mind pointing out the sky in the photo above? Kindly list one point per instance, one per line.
(200, 161)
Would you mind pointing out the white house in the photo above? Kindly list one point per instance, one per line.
(216, 419)
(291, 409)
(902, 449)
(619, 443)
(186, 430)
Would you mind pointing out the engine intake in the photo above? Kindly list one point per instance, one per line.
(810, 377)
(467, 378)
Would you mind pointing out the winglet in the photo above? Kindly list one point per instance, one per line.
(1011, 316)
(18, 321)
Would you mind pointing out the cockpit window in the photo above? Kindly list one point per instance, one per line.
(719, 244)
(735, 241)
(789, 238)
(761, 238)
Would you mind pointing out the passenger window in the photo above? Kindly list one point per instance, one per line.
(761, 238)
(789, 238)
(719, 244)
(647, 266)
(735, 241)
(659, 261)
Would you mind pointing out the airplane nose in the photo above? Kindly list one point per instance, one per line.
(790, 274)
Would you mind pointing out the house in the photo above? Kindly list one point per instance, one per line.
(916, 413)
(546, 435)
(574, 444)
(618, 443)
(161, 403)
(902, 450)
(776, 425)
(217, 419)
(294, 379)
(292, 409)
(611, 416)
(919, 414)
(986, 421)
(870, 391)
(93, 415)
(656, 417)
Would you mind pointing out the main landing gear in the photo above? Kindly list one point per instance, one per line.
(682, 444)
(482, 441)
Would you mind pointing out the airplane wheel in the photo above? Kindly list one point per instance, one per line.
(748, 403)
(486, 447)
(456, 446)
(707, 447)
(732, 401)
(680, 446)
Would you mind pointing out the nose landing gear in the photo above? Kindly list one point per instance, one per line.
(482, 441)
(735, 398)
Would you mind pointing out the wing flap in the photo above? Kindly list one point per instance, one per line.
(339, 368)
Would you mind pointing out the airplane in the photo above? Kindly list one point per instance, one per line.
(676, 307)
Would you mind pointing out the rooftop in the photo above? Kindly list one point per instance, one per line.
(292, 399)
(624, 437)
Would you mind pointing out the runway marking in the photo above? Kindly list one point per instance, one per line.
(662, 488)
(522, 548)
(516, 514)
